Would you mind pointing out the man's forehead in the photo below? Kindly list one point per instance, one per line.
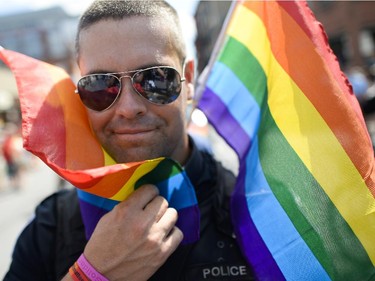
(130, 43)
(158, 30)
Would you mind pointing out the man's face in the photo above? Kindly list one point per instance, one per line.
(134, 129)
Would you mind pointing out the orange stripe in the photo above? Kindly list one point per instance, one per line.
(320, 88)
(78, 136)
(111, 183)
(61, 98)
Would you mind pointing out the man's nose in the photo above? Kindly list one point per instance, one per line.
(130, 103)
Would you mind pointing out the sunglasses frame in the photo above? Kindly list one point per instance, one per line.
(120, 75)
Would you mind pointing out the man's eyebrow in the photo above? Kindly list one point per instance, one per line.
(144, 66)
(97, 71)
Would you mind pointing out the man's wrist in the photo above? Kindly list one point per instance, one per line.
(76, 273)
(83, 266)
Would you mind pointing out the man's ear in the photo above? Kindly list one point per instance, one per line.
(189, 76)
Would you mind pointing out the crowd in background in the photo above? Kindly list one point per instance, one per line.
(14, 159)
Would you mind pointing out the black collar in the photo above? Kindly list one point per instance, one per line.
(201, 170)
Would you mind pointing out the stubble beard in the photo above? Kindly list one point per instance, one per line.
(139, 152)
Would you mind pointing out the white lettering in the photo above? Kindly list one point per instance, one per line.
(234, 271)
(243, 270)
(206, 271)
(217, 271)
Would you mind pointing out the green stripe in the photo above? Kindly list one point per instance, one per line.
(167, 168)
(340, 253)
(246, 67)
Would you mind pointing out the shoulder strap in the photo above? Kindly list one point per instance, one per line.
(70, 233)
(225, 186)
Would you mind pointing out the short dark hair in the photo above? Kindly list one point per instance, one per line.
(119, 9)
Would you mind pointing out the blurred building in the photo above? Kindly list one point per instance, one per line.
(350, 26)
(46, 35)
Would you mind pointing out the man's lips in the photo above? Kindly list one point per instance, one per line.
(133, 131)
(132, 136)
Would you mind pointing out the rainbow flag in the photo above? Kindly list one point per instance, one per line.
(303, 205)
(56, 129)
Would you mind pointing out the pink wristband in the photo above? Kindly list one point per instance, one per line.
(89, 271)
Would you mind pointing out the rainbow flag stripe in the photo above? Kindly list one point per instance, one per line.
(55, 128)
(173, 185)
(303, 206)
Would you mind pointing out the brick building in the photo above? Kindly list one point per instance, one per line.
(350, 26)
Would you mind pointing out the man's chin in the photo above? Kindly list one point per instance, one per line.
(135, 155)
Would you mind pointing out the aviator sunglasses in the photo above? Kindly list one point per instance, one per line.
(159, 85)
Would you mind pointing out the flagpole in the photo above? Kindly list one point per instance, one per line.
(201, 83)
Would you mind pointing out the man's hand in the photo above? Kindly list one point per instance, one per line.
(133, 240)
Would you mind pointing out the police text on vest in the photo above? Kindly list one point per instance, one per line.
(222, 271)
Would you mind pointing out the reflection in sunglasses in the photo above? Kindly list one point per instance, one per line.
(159, 85)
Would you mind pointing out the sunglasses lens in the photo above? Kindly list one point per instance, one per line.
(159, 85)
(98, 91)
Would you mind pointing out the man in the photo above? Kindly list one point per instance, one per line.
(136, 84)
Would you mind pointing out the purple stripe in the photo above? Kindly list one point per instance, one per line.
(189, 223)
(252, 244)
(223, 121)
(90, 216)
(188, 220)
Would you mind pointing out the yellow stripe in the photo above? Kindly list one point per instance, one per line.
(128, 188)
(309, 135)
(108, 160)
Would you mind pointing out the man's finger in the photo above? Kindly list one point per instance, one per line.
(141, 196)
(168, 221)
(157, 207)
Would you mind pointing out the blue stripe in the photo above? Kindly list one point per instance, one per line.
(255, 250)
(281, 237)
(178, 191)
(240, 102)
(100, 202)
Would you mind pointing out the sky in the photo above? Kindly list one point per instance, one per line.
(185, 8)
(75, 7)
